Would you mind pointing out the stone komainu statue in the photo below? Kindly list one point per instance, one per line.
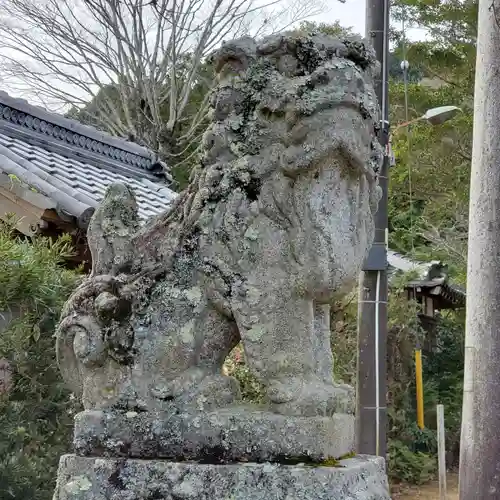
(277, 218)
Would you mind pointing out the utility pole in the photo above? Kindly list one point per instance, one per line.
(480, 440)
(372, 312)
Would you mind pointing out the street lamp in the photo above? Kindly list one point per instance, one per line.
(435, 116)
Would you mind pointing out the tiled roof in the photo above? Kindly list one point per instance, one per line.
(430, 275)
(72, 164)
(399, 262)
(36, 125)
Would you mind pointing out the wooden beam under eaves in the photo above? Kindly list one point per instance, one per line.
(28, 216)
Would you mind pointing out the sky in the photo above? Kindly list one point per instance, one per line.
(352, 13)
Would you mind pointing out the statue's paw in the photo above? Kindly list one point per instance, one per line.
(216, 391)
(296, 397)
(184, 383)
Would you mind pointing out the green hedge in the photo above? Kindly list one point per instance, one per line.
(35, 413)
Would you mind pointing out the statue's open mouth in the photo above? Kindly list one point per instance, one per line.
(341, 135)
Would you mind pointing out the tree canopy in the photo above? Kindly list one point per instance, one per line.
(428, 210)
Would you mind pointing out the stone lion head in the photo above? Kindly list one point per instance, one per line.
(293, 137)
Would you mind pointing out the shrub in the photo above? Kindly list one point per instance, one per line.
(252, 390)
(411, 451)
(408, 465)
(35, 408)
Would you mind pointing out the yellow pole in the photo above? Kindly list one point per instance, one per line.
(420, 388)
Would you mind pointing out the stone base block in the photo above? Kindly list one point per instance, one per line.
(85, 478)
(236, 434)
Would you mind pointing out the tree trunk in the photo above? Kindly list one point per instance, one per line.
(480, 442)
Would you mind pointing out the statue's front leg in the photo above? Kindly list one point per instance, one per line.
(278, 333)
(194, 344)
(324, 357)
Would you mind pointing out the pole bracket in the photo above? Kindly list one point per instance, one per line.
(377, 258)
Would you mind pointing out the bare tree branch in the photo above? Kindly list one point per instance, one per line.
(130, 66)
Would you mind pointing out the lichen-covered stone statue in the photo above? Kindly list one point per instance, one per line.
(277, 219)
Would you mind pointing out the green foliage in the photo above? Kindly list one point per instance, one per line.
(344, 338)
(429, 191)
(35, 413)
(332, 29)
(252, 391)
(408, 465)
(396, 73)
(445, 369)
(412, 452)
(448, 22)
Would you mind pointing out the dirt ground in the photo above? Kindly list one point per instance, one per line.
(428, 491)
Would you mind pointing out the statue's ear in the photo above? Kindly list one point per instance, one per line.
(111, 229)
(233, 57)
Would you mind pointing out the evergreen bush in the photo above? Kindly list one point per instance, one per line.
(35, 407)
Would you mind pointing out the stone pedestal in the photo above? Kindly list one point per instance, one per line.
(235, 434)
(87, 478)
(228, 454)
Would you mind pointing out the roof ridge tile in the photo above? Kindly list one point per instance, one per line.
(19, 118)
(74, 125)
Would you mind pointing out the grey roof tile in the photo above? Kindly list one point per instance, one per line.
(83, 179)
(54, 127)
(72, 164)
(32, 128)
(404, 264)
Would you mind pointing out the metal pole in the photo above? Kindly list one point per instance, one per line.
(480, 440)
(372, 313)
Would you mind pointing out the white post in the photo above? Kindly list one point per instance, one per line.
(441, 452)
